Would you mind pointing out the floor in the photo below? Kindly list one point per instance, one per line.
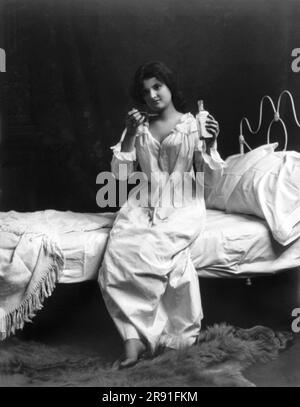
(268, 301)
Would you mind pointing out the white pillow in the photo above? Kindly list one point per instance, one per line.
(218, 193)
(270, 189)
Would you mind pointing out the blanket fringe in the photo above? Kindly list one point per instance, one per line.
(15, 319)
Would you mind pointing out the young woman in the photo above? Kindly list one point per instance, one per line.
(147, 278)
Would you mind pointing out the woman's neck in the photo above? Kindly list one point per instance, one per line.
(168, 112)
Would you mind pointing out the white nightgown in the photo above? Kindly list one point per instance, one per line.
(147, 277)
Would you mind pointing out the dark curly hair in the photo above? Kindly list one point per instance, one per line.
(158, 70)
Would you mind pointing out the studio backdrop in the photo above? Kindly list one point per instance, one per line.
(65, 92)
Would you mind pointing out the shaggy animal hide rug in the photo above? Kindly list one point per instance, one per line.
(218, 359)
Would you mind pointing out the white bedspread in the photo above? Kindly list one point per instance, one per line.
(30, 266)
(240, 245)
(230, 244)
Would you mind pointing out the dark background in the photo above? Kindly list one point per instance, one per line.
(70, 64)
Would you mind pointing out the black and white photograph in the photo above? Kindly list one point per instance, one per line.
(149, 196)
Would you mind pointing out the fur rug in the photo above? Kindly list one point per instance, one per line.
(219, 358)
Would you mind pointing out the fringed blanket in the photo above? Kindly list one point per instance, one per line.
(30, 265)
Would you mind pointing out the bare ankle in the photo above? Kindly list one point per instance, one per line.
(134, 347)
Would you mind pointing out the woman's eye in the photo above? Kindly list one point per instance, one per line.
(156, 87)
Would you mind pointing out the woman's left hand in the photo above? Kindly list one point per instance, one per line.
(212, 126)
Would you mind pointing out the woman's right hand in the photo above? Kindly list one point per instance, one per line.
(133, 120)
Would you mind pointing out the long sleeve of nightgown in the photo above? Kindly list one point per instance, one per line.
(209, 162)
(123, 164)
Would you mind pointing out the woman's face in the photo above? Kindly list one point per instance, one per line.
(157, 95)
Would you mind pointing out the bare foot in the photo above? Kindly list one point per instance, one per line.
(134, 348)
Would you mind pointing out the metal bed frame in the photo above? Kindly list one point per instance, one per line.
(276, 118)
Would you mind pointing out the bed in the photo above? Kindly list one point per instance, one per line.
(232, 245)
(39, 249)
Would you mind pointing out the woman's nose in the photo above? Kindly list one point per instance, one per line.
(152, 93)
